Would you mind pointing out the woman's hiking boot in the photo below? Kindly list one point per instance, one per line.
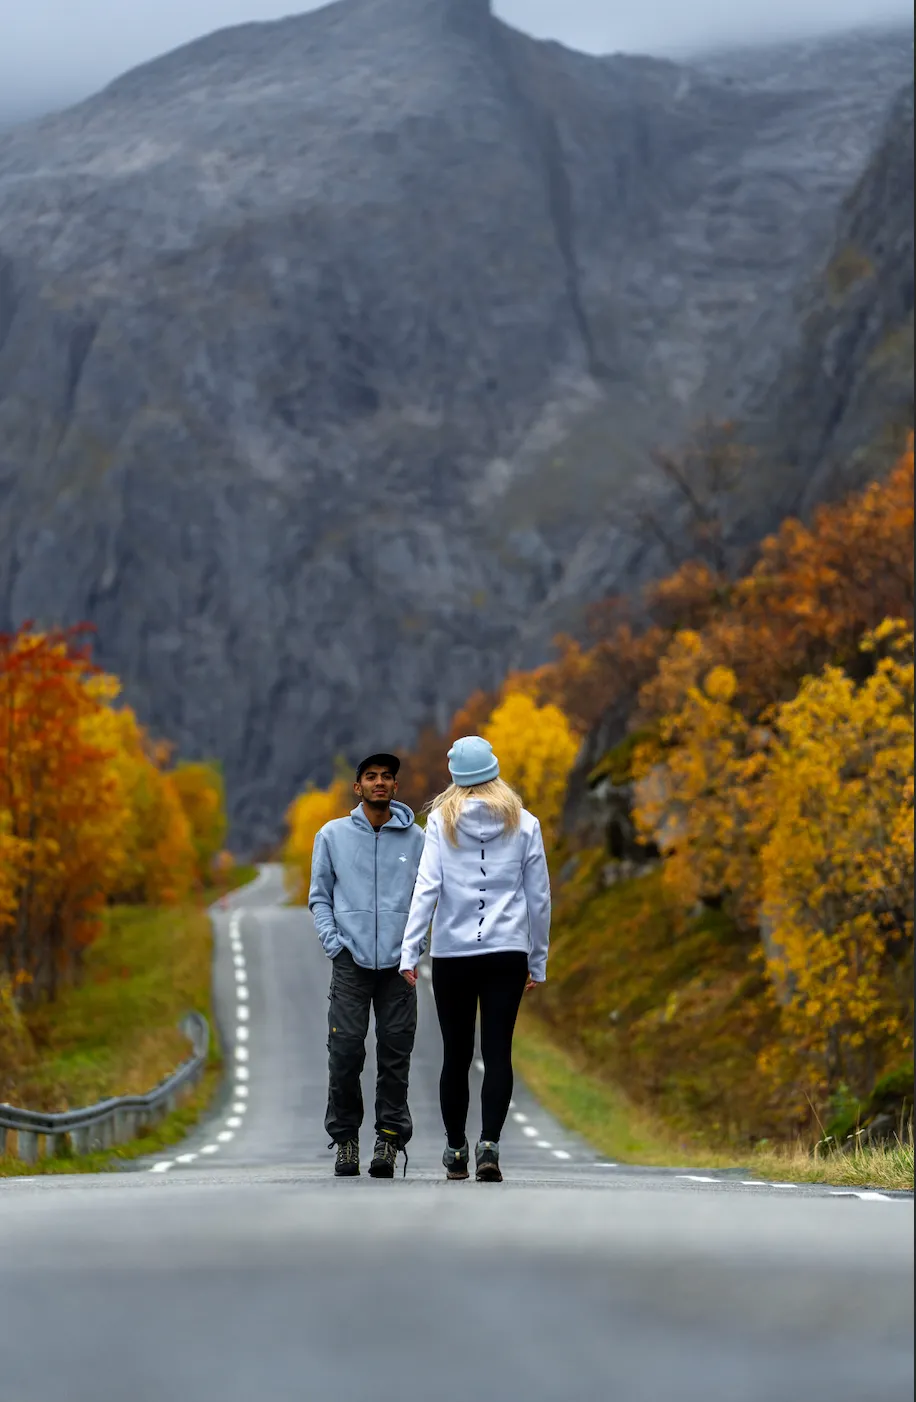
(385, 1155)
(455, 1162)
(347, 1164)
(487, 1156)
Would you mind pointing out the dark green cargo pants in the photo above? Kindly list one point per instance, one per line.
(353, 991)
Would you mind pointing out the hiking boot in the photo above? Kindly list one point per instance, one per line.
(487, 1156)
(385, 1155)
(347, 1164)
(455, 1162)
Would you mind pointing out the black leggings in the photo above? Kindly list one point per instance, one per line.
(497, 982)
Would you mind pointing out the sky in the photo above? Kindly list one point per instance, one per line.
(54, 52)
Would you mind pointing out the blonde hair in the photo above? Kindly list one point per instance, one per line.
(503, 803)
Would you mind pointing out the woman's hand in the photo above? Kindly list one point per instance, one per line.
(409, 976)
(532, 983)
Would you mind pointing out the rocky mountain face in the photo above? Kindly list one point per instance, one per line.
(330, 348)
(835, 416)
(841, 405)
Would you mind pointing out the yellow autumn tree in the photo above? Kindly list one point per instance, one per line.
(202, 792)
(697, 788)
(837, 868)
(11, 854)
(306, 816)
(537, 747)
(159, 862)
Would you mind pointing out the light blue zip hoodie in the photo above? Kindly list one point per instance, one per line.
(362, 883)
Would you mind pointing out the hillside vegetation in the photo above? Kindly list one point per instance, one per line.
(733, 936)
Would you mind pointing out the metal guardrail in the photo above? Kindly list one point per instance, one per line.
(109, 1122)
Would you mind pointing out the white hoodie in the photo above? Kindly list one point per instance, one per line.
(490, 893)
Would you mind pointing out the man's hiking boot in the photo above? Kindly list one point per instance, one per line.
(385, 1155)
(487, 1156)
(347, 1164)
(455, 1162)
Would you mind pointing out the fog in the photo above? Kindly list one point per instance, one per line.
(53, 52)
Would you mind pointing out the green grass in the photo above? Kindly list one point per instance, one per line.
(601, 1113)
(117, 1032)
(592, 1106)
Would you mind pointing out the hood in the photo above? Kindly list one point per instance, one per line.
(401, 816)
(478, 821)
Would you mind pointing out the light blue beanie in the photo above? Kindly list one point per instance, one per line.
(471, 761)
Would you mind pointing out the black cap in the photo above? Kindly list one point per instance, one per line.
(389, 761)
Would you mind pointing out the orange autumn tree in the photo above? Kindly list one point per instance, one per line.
(812, 596)
(61, 805)
(88, 812)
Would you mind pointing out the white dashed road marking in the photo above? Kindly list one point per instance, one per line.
(696, 1178)
(242, 1034)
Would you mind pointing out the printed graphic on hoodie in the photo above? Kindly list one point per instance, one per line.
(488, 894)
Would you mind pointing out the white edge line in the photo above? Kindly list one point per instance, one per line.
(863, 1195)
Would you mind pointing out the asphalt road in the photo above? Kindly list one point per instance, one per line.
(238, 1268)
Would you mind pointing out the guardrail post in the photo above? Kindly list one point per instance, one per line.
(80, 1139)
(54, 1143)
(28, 1145)
(3, 1134)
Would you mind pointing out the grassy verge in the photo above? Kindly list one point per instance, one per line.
(593, 1107)
(597, 1110)
(117, 1033)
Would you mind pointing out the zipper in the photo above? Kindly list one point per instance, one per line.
(378, 836)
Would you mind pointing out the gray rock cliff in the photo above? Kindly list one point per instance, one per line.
(325, 343)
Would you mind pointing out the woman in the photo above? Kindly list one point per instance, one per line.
(484, 872)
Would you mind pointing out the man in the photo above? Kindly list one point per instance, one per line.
(363, 873)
